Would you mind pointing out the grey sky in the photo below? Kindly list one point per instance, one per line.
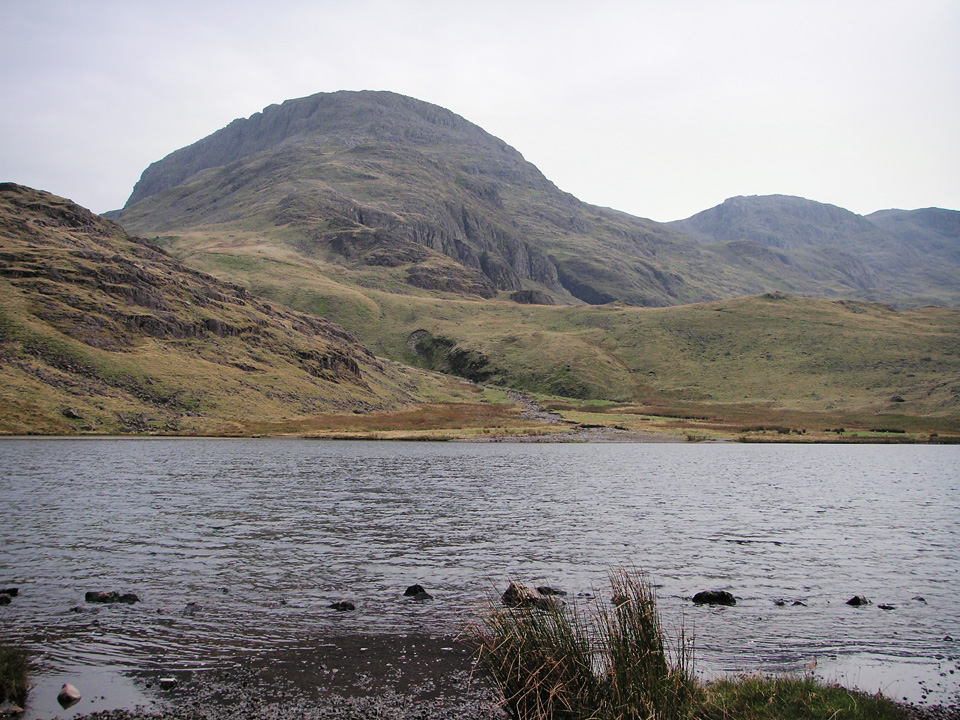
(658, 108)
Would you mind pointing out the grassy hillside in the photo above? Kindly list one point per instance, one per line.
(101, 332)
(770, 360)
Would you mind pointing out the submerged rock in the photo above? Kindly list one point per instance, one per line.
(857, 601)
(112, 596)
(517, 595)
(12, 592)
(714, 597)
(68, 696)
(4, 599)
(342, 606)
(546, 591)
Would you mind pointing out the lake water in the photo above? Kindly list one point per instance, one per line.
(264, 534)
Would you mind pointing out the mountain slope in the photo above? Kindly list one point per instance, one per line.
(407, 196)
(908, 258)
(404, 192)
(104, 332)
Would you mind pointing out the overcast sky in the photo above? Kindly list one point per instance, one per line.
(660, 108)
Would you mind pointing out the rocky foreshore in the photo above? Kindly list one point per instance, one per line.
(396, 677)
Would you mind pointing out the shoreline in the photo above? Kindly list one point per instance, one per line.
(349, 677)
(414, 676)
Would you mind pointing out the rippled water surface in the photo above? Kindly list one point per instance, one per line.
(264, 534)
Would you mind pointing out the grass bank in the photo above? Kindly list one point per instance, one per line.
(552, 661)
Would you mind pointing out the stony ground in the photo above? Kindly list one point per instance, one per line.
(358, 677)
(373, 677)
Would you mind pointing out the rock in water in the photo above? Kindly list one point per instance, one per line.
(546, 590)
(416, 592)
(714, 597)
(517, 595)
(68, 696)
(10, 708)
(342, 606)
(858, 600)
(112, 596)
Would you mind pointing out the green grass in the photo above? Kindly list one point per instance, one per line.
(792, 698)
(551, 661)
(13, 674)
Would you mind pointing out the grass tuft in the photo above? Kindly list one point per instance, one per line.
(551, 661)
(13, 675)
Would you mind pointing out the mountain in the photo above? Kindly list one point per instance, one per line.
(400, 191)
(408, 195)
(104, 332)
(908, 258)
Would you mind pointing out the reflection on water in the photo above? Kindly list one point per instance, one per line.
(264, 534)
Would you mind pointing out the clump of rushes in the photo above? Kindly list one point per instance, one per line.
(13, 675)
(642, 678)
(553, 662)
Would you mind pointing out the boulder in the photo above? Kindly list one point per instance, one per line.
(68, 696)
(4, 599)
(416, 592)
(166, 683)
(12, 592)
(342, 606)
(857, 601)
(10, 708)
(714, 597)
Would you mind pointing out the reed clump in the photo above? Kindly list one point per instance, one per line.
(552, 661)
(13, 675)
